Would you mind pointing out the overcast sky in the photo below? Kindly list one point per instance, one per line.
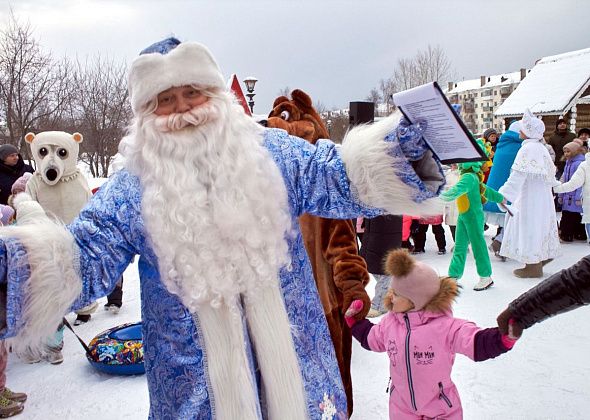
(335, 50)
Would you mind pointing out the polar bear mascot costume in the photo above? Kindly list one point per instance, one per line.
(58, 185)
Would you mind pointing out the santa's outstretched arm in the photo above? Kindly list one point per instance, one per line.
(384, 167)
(48, 269)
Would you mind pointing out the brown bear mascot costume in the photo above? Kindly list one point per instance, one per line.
(340, 273)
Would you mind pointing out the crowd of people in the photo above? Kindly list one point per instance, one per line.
(556, 189)
(221, 294)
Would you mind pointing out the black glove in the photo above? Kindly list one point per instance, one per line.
(508, 325)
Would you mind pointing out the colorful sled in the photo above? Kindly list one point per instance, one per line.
(118, 351)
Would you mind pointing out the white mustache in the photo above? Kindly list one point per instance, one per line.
(177, 121)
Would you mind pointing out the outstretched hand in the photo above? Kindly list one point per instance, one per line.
(410, 139)
(355, 307)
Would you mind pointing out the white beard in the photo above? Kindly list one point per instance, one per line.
(206, 206)
(215, 207)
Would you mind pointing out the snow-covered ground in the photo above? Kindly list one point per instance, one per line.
(544, 377)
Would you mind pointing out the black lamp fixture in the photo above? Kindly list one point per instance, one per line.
(250, 82)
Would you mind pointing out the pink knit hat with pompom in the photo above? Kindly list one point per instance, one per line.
(412, 279)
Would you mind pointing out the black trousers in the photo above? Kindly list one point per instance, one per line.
(116, 296)
(420, 237)
(571, 226)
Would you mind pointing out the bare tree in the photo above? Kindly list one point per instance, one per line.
(405, 74)
(426, 66)
(387, 89)
(100, 110)
(320, 107)
(337, 124)
(375, 97)
(432, 65)
(286, 91)
(33, 87)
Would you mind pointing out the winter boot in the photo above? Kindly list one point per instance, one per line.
(9, 408)
(82, 319)
(14, 396)
(530, 271)
(545, 262)
(495, 246)
(54, 356)
(483, 283)
(28, 356)
(111, 307)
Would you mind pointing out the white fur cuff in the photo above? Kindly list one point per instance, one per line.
(370, 169)
(54, 283)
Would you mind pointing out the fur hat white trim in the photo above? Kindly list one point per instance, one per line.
(190, 63)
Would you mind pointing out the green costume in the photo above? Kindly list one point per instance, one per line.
(470, 194)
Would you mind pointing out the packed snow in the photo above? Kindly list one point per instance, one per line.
(543, 377)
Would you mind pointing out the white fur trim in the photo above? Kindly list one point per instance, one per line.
(275, 352)
(232, 383)
(370, 170)
(28, 211)
(54, 284)
(270, 332)
(188, 64)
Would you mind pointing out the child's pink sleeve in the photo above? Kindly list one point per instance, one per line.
(376, 337)
(476, 343)
(462, 337)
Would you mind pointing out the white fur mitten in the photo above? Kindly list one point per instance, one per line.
(28, 211)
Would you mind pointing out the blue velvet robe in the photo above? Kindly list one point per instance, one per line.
(110, 231)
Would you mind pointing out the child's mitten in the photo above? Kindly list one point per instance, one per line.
(355, 307)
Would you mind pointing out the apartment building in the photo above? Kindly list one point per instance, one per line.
(481, 97)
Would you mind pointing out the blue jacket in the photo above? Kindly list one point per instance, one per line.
(506, 150)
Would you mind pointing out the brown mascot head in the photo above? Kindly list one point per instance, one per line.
(298, 117)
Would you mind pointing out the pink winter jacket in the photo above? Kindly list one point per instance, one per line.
(421, 347)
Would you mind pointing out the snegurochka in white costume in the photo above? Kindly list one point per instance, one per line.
(232, 324)
(530, 234)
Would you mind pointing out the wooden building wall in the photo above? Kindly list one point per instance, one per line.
(582, 120)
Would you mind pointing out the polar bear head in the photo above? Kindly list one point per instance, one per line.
(55, 153)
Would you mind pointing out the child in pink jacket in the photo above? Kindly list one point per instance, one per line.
(421, 338)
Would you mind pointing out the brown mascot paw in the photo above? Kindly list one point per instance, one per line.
(360, 295)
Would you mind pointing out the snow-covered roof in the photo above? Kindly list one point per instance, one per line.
(491, 81)
(551, 86)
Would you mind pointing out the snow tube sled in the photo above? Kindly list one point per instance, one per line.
(118, 351)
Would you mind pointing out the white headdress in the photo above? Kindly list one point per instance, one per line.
(532, 126)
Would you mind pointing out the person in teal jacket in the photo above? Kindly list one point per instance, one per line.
(471, 194)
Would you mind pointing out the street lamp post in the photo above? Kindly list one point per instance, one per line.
(250, 82)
